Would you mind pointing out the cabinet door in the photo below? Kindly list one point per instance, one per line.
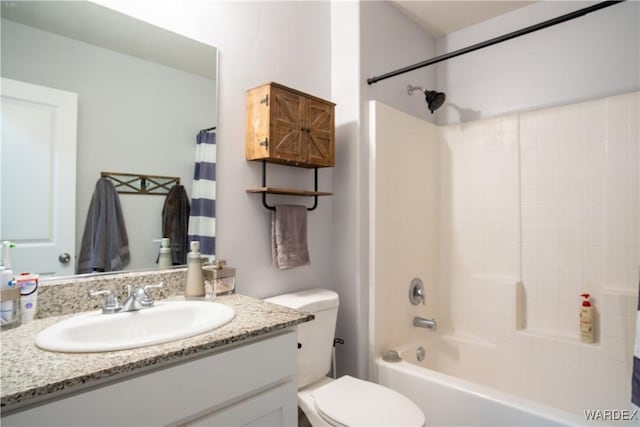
(260, 373)
(320, 133)
(287, 126)
(270, 408)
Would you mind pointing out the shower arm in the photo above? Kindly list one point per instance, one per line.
(411, 89)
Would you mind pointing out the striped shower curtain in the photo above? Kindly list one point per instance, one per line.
(635, 380)
(202, 221)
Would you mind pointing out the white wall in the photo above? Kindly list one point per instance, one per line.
(349, 256)
(589, 57)
(286, 42)
(120, 99)
(390, 40)
(367, 38)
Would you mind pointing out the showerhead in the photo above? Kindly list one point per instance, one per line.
(433, 98)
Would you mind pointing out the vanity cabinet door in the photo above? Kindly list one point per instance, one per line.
(264, 410)
(250, 384)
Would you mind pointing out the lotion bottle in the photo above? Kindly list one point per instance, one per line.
(195, 279)
(164, 258)
(28, 285)
(586, 320)
(9, 306)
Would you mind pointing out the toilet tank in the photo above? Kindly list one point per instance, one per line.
(315, 337)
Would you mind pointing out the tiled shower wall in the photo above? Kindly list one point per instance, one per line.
(580, 216)
(479, 222)
(548, 197)
(507, 221)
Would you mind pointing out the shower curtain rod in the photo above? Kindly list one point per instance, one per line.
(500, 39)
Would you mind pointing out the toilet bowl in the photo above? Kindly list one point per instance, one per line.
(349, 401)
(345, 401)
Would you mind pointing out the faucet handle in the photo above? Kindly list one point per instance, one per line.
(111, 305)
(146, 296)
(156, 286)
(416, 292)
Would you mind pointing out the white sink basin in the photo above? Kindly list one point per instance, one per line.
(167, 321)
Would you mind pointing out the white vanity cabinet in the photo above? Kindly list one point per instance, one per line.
(247, 384)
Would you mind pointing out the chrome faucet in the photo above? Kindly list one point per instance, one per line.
(421, 322)
(138, 299)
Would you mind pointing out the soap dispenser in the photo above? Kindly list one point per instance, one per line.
(164, 258)
(195, 279)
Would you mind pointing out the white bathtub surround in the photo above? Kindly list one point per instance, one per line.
(404, 192)
(507, 221)
(460, 400)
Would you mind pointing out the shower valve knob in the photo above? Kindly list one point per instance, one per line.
(416, 292)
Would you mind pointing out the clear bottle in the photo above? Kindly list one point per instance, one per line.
(224, 278)
(195, 279)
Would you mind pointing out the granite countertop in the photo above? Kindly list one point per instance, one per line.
(30, 374)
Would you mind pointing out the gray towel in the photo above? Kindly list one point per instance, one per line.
(289, 237)
(105, 246)
(175, 223)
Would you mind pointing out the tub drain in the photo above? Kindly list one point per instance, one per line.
(420, 354)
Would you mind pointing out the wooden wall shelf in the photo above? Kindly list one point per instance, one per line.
(287, 191)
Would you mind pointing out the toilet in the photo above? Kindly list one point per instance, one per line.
(345, 401)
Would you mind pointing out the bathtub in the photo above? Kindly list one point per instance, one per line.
(450, 394)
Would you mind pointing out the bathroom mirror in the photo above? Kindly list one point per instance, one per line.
(142, 95)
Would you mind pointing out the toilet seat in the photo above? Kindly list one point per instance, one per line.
(349, 401)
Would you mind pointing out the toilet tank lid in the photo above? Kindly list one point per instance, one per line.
(310, 300)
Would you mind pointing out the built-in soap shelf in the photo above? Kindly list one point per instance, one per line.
(554, 337)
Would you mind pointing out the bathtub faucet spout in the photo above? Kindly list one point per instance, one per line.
(421, 322)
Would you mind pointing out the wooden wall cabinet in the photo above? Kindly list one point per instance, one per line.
(287, 126)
